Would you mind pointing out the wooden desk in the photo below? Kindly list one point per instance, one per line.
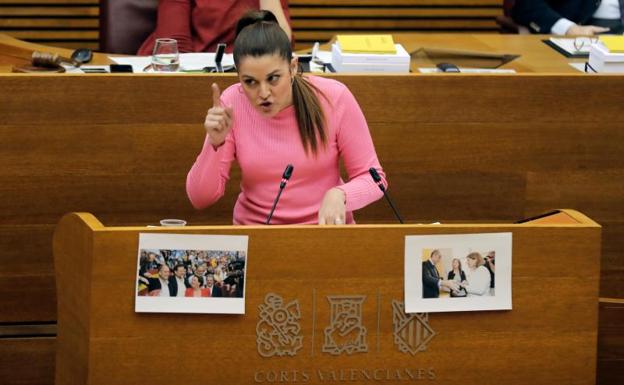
(14, 52)
(535, 56)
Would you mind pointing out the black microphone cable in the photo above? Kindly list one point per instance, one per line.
(377, 179)
(285, 177)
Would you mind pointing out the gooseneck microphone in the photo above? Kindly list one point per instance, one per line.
(285, 177)
(377, 179)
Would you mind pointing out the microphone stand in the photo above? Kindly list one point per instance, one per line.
(285, 177)
(377, 180)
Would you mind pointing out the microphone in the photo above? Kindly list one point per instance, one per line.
(285, 177)
(377, 179)
(219, 57)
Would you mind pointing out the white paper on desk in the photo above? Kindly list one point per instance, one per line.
(324, 56)
(70, 69)
(432, 70)
(567, 44)
(188, 61)
(199, 60)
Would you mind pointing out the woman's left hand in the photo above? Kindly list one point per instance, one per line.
(333, 210)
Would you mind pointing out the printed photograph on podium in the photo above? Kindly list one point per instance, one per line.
(179, 273)
(462, 272)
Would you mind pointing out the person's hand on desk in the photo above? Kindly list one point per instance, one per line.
(333, 209)
(218, 121)
(585, 30)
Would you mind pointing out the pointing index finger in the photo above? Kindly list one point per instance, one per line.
(216, 95)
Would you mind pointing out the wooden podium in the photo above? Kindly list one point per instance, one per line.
(293, 275)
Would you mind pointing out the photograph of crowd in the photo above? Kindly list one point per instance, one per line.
(191, 273)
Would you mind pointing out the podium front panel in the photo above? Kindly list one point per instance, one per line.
(300, 282)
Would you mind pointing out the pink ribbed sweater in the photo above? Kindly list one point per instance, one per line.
(264, 146)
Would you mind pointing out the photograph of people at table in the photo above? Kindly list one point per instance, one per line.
(446, 275)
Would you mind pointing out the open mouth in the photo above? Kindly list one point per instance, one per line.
(266, 104)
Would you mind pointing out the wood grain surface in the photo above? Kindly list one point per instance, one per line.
(31, 361)
(454, 148)
(97, 272)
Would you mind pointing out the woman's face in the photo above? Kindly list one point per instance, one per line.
(471, 262)
(455, 264)
(267, 82)
(195, 283)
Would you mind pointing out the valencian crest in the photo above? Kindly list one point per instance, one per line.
(412, 332)
(278, 329)
(345, 332)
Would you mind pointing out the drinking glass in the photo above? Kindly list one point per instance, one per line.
(165, 57)
(172, 222)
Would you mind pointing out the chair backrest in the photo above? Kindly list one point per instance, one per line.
(506, 23)
(507, 6)
(125, 24)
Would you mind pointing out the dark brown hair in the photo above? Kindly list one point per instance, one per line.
(258, 34)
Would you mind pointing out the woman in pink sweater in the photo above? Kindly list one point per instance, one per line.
(275, 117)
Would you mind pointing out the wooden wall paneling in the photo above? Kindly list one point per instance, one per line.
(611, 342)
(320, 20)
(350, 26)
(50, 2)
(388, 11)
(62, 23)
(395, 3)
(31, 360)
(47, 23)
(31, 295)
(74, 23)
(27, 361)
(407, 99)
(76, 10)
(612, 265)
(431, 129)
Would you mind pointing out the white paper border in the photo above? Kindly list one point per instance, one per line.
(184, 304)
(414, 244)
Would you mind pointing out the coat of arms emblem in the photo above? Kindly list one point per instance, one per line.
(412, 332)
(345, 332)
(278, 330)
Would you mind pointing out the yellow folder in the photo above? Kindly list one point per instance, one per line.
(615, 44)
(381, 44)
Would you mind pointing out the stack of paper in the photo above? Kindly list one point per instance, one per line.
(381, 44)
(369, 53)
(614, 43)
(608, 55)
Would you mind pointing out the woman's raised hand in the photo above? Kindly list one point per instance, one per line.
(219, 119)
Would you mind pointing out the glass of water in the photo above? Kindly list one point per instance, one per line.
(172, 222)
(165, 57)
